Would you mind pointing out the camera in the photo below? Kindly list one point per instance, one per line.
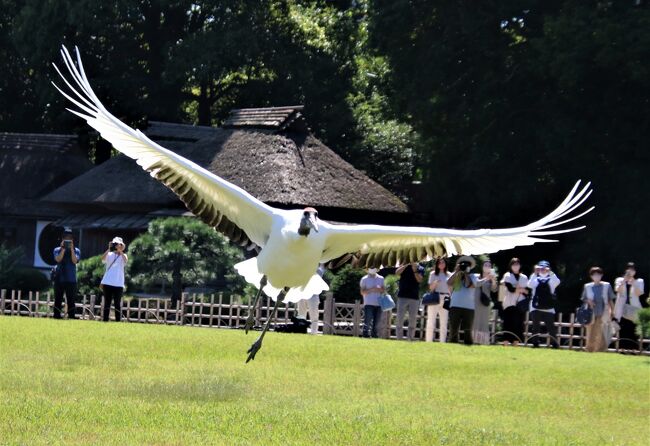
(67, 243)
(112, 246)
(465, 266)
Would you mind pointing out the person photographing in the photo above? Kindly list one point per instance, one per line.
(64, 276)
(112, 283)
(462, 284)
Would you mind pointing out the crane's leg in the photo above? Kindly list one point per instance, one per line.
(258, 343)
(250, 320)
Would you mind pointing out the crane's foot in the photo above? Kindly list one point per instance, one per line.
(250, 322)
(257, 345)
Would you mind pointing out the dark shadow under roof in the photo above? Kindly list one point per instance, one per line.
(31, 166)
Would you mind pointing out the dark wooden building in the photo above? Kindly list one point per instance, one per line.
(31, 166)
(269, 152)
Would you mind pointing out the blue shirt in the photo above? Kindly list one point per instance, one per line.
(464, 297)
(66, 270)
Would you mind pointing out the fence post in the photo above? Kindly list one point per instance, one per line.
(180, 312)
(328, 314)
(356, 319)
(526, 324)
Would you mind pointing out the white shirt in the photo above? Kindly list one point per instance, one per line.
(510, 299)
(114, 275)
(441, 277)
(532, 284)
(636, 290)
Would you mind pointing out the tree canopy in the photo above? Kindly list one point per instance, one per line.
(496, 107)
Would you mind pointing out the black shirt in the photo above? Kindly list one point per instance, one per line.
(409, 287)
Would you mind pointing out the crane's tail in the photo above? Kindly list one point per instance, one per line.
(249, 270)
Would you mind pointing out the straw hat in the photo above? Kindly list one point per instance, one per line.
(469, 259)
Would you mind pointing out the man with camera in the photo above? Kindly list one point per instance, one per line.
(112, 283)
(66, 256)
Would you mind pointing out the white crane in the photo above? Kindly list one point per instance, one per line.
(292, 243)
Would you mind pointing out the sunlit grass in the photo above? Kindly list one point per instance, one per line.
(78, 382)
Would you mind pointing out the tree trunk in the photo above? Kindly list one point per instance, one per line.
(204, 103)
(177, 283)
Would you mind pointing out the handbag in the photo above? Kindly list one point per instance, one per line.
(584, 314)
(386, 302)
(431, 298)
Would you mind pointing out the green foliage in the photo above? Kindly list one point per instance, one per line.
(643, 327)
(345, 284)
(28, 279)
(89, 275)
(391, 285)
(190, 386)
(184, 251)
(514, 102)
(9, 260)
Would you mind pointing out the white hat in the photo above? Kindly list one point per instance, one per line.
(118, 240)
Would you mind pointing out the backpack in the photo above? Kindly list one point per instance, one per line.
(544, 299)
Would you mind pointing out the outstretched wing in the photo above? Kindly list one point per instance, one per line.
(374, 245)
(222, 205)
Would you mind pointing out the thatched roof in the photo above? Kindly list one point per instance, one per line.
(283, 168)
(32, 165)
(289, 118)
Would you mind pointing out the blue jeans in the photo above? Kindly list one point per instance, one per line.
(371, 319)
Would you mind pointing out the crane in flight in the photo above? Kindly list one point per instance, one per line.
(292, 243)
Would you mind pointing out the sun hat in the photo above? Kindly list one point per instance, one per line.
(469, 259)
(118, 240)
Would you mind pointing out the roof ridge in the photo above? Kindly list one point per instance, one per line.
(50, 135)
(180, 124)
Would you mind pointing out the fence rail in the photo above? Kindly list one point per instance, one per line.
(198, 310)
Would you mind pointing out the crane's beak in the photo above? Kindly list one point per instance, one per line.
(312, 222)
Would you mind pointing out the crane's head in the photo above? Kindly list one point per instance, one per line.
(308, 221)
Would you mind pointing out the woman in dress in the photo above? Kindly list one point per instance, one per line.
(515, 291)
(483, 304)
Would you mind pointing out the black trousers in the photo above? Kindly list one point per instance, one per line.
(513, 325)
(461, 318)
(629, 340)
(70, 291)
(112, 294)
(549, 320)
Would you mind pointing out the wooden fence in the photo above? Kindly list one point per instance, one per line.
(200, 310)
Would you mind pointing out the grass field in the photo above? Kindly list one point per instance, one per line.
(78, 382)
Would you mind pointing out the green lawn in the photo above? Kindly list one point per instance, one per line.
(79, 382)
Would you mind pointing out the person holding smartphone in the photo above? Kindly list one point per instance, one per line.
(66, 256)
(543, 283)
(629, 289)
(113, 281)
